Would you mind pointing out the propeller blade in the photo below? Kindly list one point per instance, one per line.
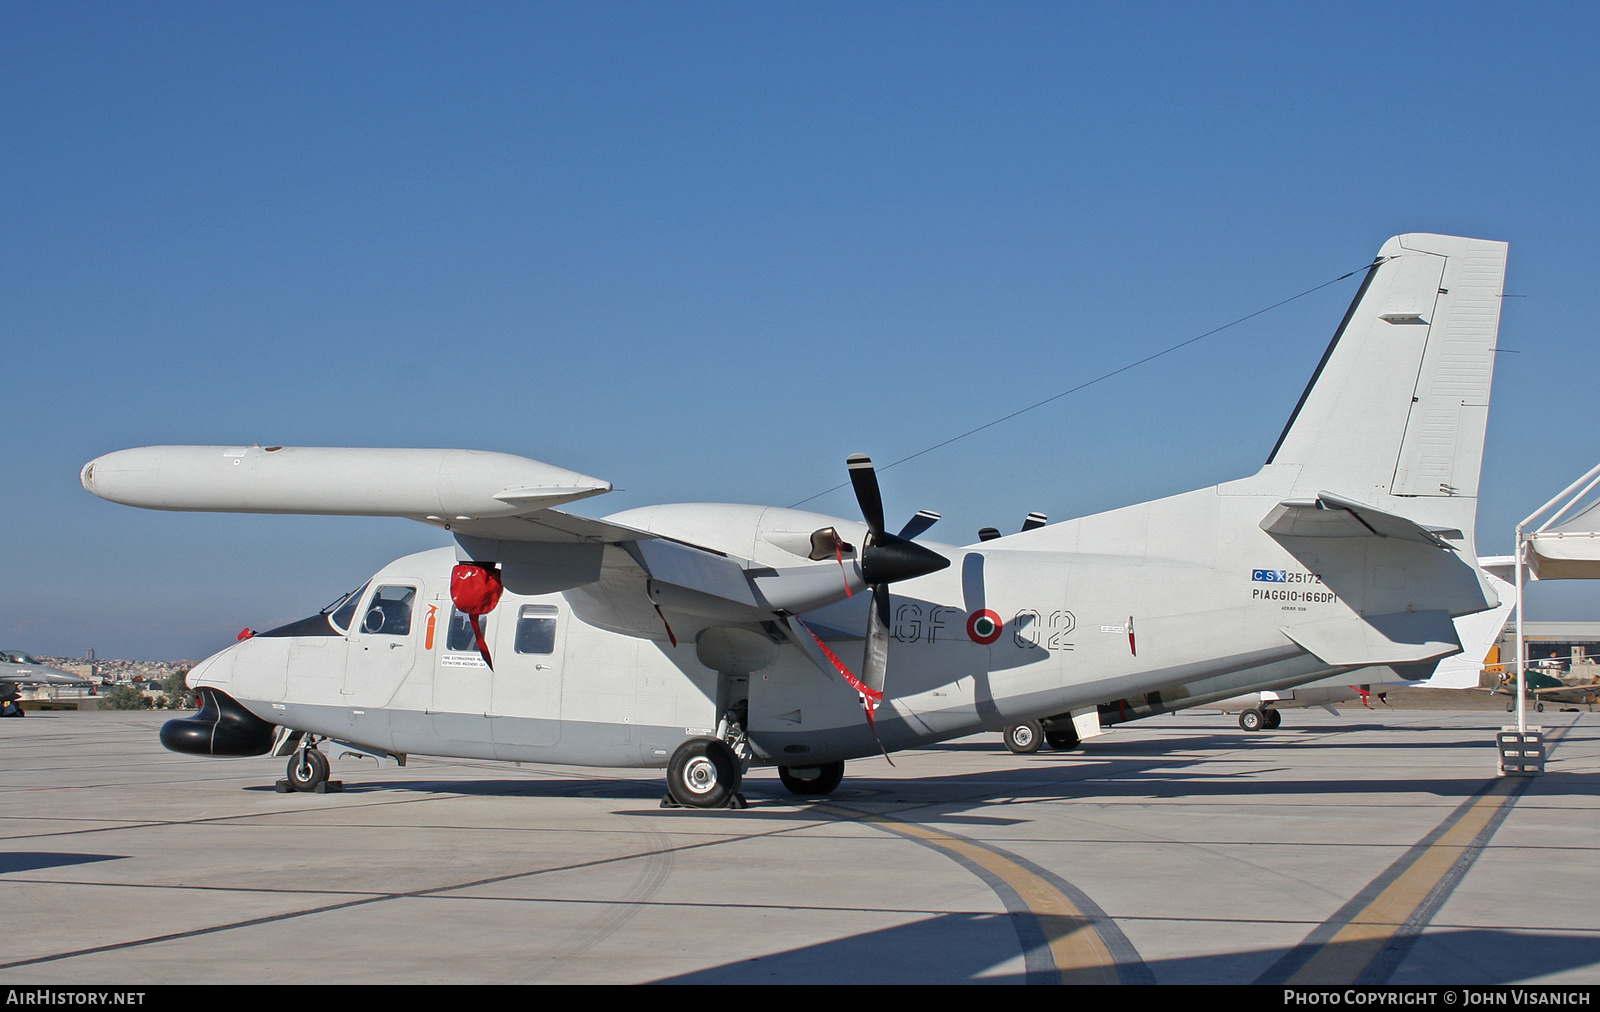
(875, 663)
(864, 479)
(988, 533)
(919, 523)
(1035, 520)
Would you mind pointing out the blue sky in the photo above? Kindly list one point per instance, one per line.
(706, 251)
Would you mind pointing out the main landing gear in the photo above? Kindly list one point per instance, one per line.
(813, 780)
(703, 773)
(1260, 720)
(1026, 738)
(1030, 736)
(707, 772)
(308, 771)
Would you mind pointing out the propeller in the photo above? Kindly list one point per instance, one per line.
(1032, 522)
(885, 558)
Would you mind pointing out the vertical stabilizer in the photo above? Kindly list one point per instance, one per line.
(1396, 412)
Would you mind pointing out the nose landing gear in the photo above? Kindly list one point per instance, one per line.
(308, 771)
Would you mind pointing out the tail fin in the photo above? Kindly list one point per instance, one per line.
(1395, 414)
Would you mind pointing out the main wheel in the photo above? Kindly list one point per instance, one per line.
(811, 779)
(1024, 738)
(703, 773)
(1274, 719)
(1252, 720)
(1062, 741)
(308, 769)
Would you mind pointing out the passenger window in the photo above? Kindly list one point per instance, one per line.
(536, 629)
(460, 636)
(389, 614)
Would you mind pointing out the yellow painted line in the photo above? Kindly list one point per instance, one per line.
(1081, 956)
(1358, 943)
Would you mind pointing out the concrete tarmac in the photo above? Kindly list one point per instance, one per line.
(1372, 847)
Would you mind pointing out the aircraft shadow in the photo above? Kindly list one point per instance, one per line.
(970, 945)
(36, 860)
(966, 945)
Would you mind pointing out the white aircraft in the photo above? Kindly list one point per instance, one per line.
(704, 638)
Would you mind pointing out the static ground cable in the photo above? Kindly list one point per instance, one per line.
(1103, 376)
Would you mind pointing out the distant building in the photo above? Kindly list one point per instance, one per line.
(1559, 647)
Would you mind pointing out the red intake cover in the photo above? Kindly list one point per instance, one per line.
(475, 589)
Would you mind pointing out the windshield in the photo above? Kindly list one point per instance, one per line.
(343, 610)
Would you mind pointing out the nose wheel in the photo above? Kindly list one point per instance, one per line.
(308, 773)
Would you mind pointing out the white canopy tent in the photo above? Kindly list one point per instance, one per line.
(1567, 551)
(1556, 550)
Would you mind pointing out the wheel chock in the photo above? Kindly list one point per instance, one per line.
(735, 801)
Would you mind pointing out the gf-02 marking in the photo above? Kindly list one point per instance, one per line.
(1030, 629)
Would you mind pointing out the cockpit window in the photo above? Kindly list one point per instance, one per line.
(389, 613)
(16, 657)
(343, 610)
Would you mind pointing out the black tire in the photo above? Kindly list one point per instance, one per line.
(811, 779)
(1252, 720)
(1274, 719)
(703, 773)
(1026, 738)
(1062, 741)
(1540, 707)
(308, 769)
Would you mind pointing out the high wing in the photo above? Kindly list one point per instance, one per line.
(498, 506)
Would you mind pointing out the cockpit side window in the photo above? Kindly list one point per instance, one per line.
(342, 612)
(389, 611)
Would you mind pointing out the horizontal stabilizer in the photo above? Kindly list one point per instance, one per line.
(1331, 516)
(1406, 637)
(442, 486)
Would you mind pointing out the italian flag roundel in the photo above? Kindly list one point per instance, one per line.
(984, 627)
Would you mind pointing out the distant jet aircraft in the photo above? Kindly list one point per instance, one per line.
(704, 638)
(18, 667)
